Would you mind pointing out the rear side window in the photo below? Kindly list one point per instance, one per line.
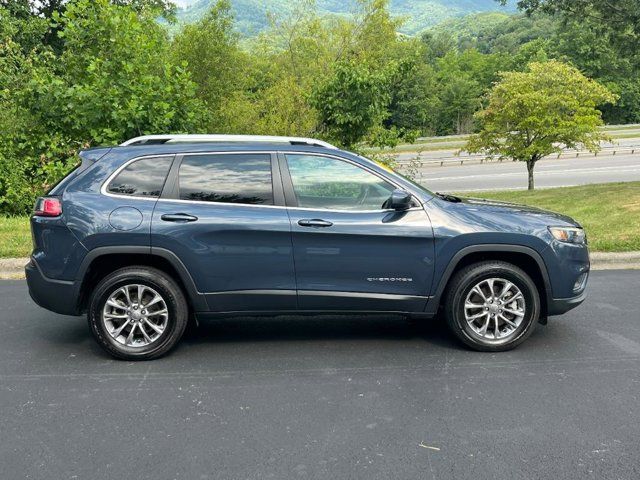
(142, 178)
(233, 178)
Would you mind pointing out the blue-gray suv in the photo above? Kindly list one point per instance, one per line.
(147, 235)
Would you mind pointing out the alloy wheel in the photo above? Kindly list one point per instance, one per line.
(135, 315)
(494, 309)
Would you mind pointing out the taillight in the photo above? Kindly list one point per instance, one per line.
(48, 207)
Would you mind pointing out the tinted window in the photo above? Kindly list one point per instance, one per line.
(328, 183)
(231, 178)
(144, 178)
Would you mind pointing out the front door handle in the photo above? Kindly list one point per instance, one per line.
(315, 223)
(179, 217)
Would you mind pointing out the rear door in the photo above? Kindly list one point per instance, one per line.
(223, 215)
(350, 253)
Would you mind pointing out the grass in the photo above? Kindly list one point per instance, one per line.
(15, 237)
(609, 212)
(633, 126)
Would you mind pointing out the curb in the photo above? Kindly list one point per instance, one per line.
(13, 268)
(615, 261)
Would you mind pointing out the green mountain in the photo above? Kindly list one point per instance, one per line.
(252, 15)
(492, 32)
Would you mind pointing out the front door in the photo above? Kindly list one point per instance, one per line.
(349, 252)
(224, 217)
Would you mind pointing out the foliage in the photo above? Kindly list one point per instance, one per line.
(253, 15)
(535, 113)
(496, 32)
(34, 18)
(118, 82)
(619, 15)
(76, 73)
(210, 51)
(112, 81)
(352, 102)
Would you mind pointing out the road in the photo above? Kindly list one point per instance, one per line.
(356, 398)
(549, 173)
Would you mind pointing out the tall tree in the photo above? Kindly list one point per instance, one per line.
(213, 58)
(616, 13)
(352, 102)
(41, 12)
(533, 114)
(116, 78)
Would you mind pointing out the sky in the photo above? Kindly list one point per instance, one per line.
(184, 3)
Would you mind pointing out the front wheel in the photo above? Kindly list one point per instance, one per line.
(137, 313)
(492, 306)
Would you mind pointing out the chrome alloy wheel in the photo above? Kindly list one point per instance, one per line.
(494, 309)
(135, 315)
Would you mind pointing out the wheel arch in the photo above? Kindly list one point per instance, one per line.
(524, 257)
(101, 261)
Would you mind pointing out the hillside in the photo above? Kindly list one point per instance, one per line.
(251, 15)
(491, 32)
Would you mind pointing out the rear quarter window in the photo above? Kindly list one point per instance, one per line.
(142, 178)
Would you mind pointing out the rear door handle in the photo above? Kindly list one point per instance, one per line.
(178, 217)
(315, 223)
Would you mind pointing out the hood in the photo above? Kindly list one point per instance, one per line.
(493, 206)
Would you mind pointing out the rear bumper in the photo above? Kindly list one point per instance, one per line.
(59, 296)
(559, 306)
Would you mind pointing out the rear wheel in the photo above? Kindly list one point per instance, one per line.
(137, 313)
(492, 306)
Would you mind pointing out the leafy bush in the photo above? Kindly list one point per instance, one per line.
(113, 80)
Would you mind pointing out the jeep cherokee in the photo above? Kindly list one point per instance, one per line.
(146, 235)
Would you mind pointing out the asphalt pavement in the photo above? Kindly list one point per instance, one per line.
(549, 173)
(325, 397)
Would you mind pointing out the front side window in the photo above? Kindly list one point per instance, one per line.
(142, 178)
(233, 178)
(332, 184)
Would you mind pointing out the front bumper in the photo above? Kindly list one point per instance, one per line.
(58, 296)
(560, 306)
(568, 267)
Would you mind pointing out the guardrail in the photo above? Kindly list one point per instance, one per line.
(625, 128)
(422, 160)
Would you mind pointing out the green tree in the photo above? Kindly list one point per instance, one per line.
(613, 14)
(462, 80)
(352, 102)
(34, 18)
(438, 43)
(113, 80)
(214, 59)
(413, 97)
(116, 79)
(535, 113)
(18, 23)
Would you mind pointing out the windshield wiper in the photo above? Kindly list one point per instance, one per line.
(449, 198)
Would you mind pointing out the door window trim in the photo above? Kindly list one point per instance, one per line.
(290, 196)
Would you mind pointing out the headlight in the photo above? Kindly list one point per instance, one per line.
(569, 235)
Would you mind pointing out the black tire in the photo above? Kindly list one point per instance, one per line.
(171, 293)
(465, 280)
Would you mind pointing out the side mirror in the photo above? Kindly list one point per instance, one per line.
(399, 200)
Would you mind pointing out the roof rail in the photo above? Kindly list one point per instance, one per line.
(164, 139)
